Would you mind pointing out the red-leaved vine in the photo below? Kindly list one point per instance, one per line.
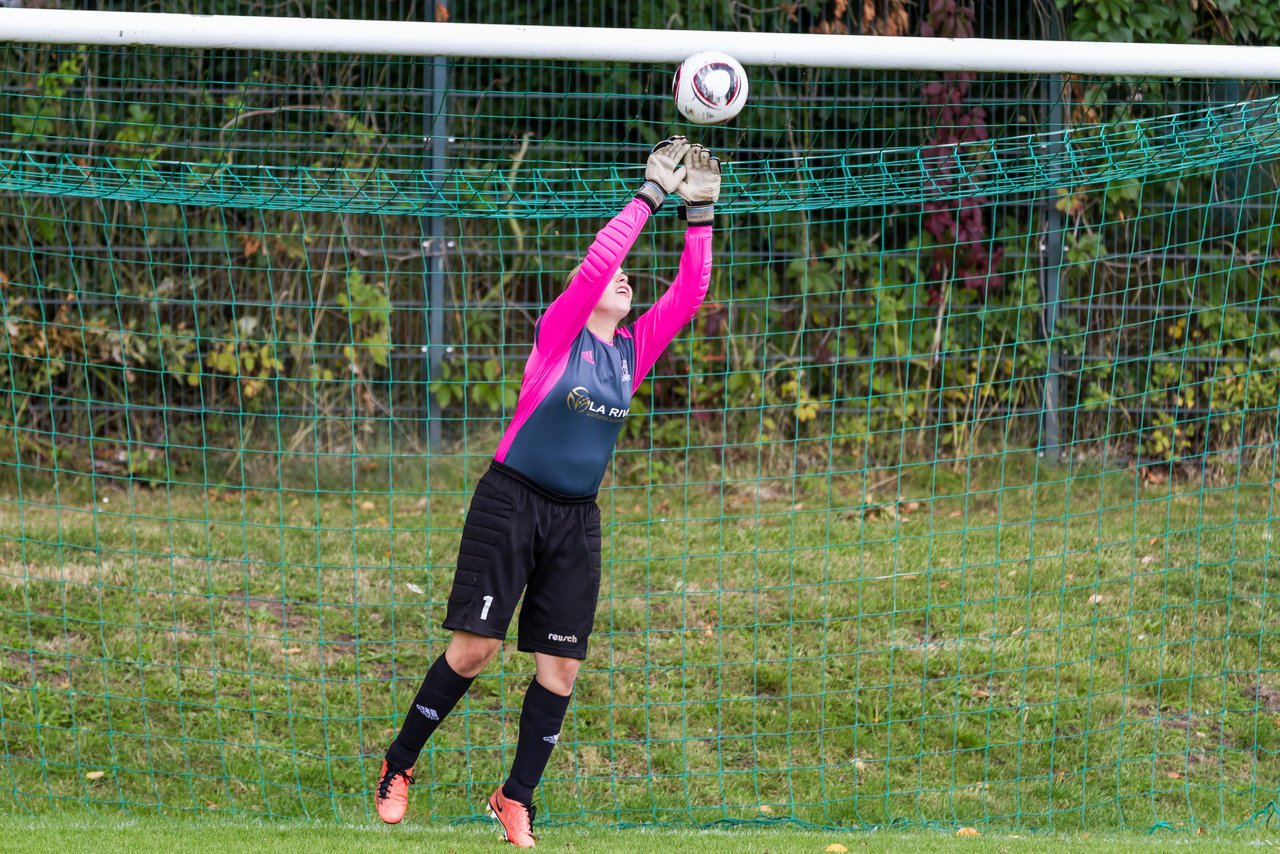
(959, 227)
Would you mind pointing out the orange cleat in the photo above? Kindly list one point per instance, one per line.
(516, 819)
(392, 795)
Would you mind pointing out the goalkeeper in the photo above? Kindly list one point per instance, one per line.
(534, 526)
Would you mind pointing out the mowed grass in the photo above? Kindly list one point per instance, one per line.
(109, 835)
(997, 643)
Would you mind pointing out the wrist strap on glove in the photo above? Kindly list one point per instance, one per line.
(698, 214)
(653, 195)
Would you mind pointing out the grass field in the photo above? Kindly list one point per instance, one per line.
(997, 643)
(113, 835)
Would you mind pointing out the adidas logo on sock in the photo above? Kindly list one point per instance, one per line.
(551, 739)
(429, 714)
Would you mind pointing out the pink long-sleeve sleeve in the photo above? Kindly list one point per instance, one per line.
(658, 326)
(568, 313)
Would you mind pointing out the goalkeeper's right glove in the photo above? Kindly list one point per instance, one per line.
(663, 173)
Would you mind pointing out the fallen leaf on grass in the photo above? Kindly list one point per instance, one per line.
(1095, 599)
(95, 775)
(968, 832)
(835, 848)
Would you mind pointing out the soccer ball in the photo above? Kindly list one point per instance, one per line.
(710, 88)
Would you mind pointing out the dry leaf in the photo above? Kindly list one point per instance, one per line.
(766, 809)
(1174, 775)
(95, 775)
(366, 505)
(1095, 599)
(293, 650)
(835, 848)
(968, 832)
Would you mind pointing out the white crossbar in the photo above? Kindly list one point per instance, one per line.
(399, 38)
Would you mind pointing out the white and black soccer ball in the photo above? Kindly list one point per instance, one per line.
(710, 88)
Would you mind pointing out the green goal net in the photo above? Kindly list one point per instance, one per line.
(953, 505)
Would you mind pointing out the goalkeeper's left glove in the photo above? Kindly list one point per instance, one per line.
(700, 188)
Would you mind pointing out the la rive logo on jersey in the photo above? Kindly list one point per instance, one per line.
(580, 401)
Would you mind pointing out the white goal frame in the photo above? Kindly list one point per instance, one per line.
(401, 38)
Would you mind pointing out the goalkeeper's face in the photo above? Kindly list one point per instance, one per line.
(615, 302)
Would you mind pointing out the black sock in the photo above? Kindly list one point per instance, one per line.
(440, 692)
(540, 721)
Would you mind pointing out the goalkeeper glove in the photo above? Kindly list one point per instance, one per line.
(700, 188)
(664, 172)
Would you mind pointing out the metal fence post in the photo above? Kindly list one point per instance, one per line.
(437, 241)
(1051, 254)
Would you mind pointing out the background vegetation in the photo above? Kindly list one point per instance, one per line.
(130, 329)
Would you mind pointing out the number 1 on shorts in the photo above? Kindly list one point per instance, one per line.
(484, 612)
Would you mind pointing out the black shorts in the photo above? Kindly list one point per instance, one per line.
(522, 538)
